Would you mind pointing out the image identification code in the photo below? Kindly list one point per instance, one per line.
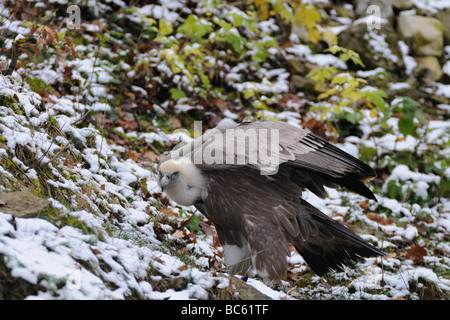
(250, 309)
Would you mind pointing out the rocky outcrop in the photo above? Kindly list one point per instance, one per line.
(444, 17)
(376, 47)
(22, 204)
(402, 4)
(425, 35)
(428, 67)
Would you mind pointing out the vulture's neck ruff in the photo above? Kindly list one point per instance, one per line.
(182, 181)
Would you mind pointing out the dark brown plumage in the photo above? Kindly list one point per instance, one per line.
(257, 215)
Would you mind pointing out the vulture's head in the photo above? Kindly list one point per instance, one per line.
(182, 181)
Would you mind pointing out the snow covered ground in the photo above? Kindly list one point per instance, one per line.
(111, 234)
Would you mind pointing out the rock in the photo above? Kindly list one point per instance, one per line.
(376, 47)
(425, 35)
(429, 67)
(402, 4)
(246, 291)
(444, 17)
(305, 85)
(22, 204)
(385, 8)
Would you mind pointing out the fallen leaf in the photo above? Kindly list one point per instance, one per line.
(216, 241)
(364, 205)
(150, 156)
(2, 203)
(69, 44)
(230, 286)
(50, 34)
(159, 260)
(178, 234)
(379, 218)
(128, 124)
(416, 253)
(133, 155)
(168, 212)
(175, 122)
(222, 105)
(207, 229)
(183, 267)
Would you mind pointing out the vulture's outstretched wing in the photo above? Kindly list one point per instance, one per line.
(265, 213)
(256, 215)
(323, 164)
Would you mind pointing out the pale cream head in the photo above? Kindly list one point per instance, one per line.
(182, 181)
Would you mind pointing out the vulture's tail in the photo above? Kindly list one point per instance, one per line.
(329, 245)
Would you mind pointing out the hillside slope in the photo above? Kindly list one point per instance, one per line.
(88, 111)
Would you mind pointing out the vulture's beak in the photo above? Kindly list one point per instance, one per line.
(165, 181)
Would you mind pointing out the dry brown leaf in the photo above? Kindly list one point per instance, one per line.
(364, 205)
(51, 34)
(183, 267)
(216, 241)
(35, 49)
(207, 229)
(95, 251)
(128, 124)
(67, 73)
(222, 105)
(69, 44)
(133, 155)
(230, 286)
(178, 234)
(41, 41)
(168, 212)
(70, 162)
(416, 253)
(159, 260)
(150, 156)
(33, 30)
(379, 218)
(175, 122)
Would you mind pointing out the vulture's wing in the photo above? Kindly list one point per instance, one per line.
(315, 162)
(266, 213)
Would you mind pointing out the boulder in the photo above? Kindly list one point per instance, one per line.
(425, 35)
(376, 47)
(402, 4)
(22, 204)
(428, 67)
(444, 17)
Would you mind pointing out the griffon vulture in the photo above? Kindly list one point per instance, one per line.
(248, 180)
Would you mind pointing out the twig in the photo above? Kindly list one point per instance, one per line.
(14, 57)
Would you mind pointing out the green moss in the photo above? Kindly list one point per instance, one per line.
(10, 103)
(36, 84)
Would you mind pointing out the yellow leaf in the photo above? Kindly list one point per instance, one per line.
(373, 112)
(165, 28)
(314, 35)
(263, 9)
(330, 38)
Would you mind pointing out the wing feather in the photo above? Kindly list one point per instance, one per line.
(322, 163)
(266, 212)
(269, 213)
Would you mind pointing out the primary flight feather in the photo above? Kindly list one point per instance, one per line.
(248, 180)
